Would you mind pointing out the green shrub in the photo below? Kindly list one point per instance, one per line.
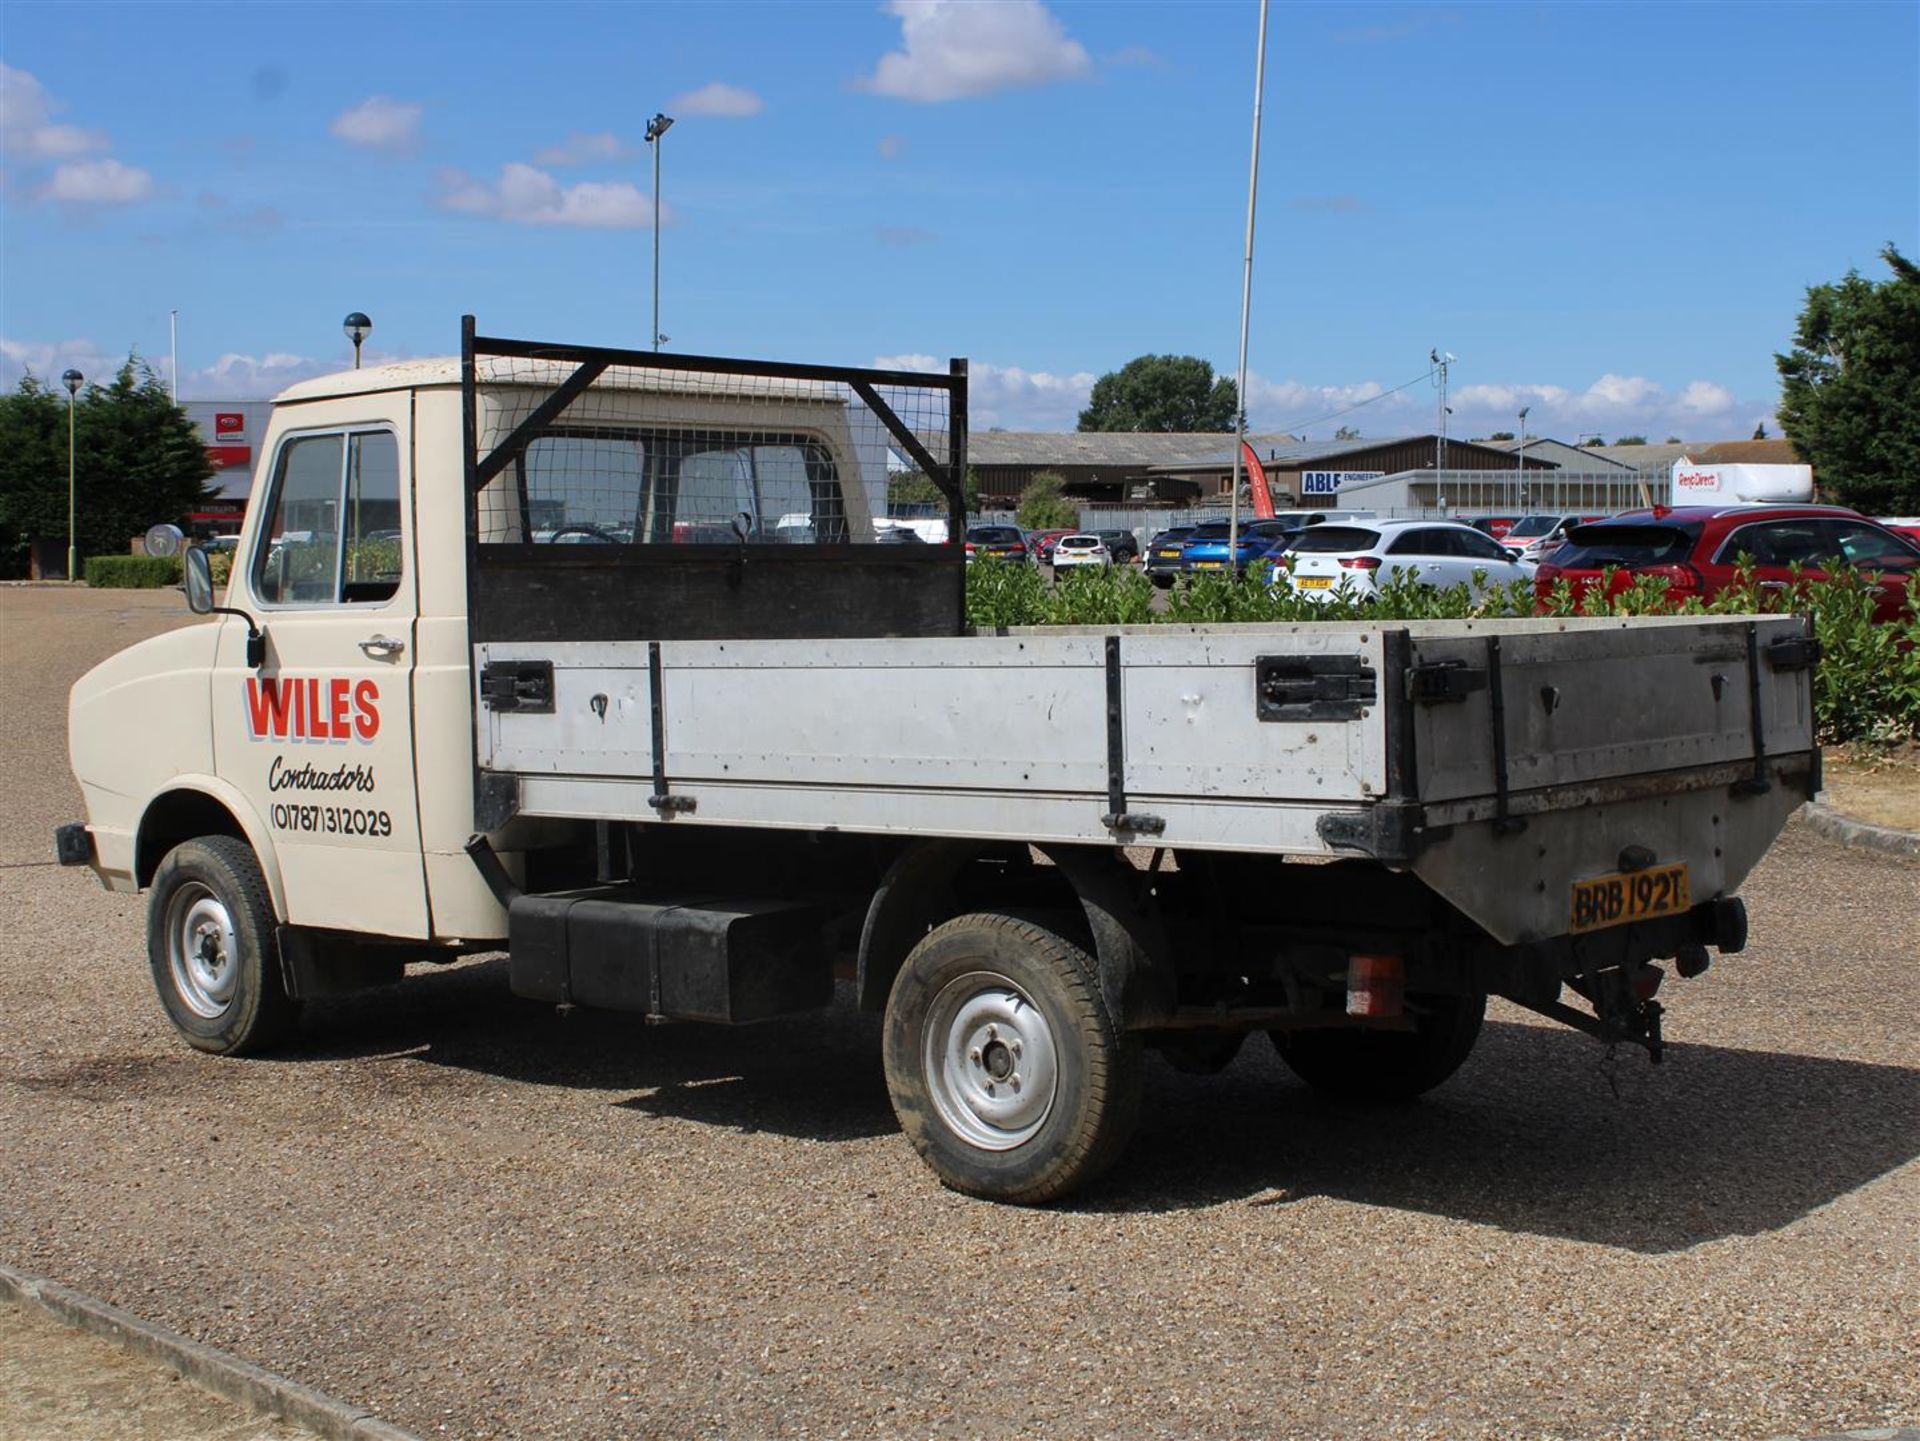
(132, 572)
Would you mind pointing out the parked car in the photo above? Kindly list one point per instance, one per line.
(1328, 560)
(1164, 554)
(897, 535)
(1003, 541)
(1541, 546)
(1074, 552)
(1535, 526)
(1207, 548)
(1122, 545)
(1698, 550)
(1042, 542)
(1494, 525)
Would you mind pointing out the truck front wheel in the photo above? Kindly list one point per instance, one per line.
(210, 944)
(1370, 1065)
(1006, 1071)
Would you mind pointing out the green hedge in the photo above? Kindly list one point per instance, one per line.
(1867, 686)
(132, 572)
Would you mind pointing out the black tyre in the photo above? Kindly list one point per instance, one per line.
(1201, 1052)
(210, 943)
(1006, 1071)
(1369, 1065)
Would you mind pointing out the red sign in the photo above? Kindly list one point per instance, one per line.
(224, 457)
(229, 424)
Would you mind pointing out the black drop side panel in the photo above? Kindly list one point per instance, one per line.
(603, 593)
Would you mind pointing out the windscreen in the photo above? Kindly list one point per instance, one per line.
(1592, 547)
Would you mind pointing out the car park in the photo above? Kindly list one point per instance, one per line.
(1164, 554)
(1122, 545)
(1077, 552)
(1496, 526)
(1004, 542)
(1700, 551)
(1534, 527)
(1355, 560)
(1040, 544)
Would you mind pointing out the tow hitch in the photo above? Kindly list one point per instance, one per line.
(1624, 1008)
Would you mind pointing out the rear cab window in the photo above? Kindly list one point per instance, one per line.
(1594, 547)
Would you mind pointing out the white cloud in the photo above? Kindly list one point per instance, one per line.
(1703, 397)
(729, 102)
(47, 359)
(952, 49)
(235, 376)
(379, 123)
(579, 149)
(1008, 396)
(529, 196)
(98, 182)
(27, 128)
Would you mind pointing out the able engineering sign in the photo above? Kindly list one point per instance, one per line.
(1328, 482)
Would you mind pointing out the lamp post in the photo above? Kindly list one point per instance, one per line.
(357, 328)
(1520, 464)
(657, 127)
(73, 380)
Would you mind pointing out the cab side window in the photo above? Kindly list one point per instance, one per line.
(333, 534)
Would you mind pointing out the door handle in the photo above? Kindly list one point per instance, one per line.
(384, 646)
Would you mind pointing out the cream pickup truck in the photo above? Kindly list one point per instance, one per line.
(527, 650)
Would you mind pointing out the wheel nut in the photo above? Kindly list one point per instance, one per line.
(990, 1090)
(1014, 1080)
(1014, 1046)
(974, 1055)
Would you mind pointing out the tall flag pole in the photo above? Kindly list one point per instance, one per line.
(1246, 305)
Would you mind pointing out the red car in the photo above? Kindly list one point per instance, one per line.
(1042, 542)
(1698, 550)
(1907, 527)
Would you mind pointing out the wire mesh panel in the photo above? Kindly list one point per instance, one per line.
(704, 497)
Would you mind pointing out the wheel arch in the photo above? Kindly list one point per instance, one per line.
(203, 806)
(1130, 941)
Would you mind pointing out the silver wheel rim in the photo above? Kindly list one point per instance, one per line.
(990, 1061)
(202, 953)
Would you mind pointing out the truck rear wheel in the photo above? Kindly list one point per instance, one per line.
(210, 944)
(1007, 1072)
(1370, 1065)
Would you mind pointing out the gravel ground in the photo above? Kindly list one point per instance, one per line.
(482, 1219)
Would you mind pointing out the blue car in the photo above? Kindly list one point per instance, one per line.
(1206, 549)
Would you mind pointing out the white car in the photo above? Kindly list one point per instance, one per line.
(1078, 550)
(1354, 559)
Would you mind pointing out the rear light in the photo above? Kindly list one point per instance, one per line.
(1682, 580)
(1360, 562)
(1376, 985)
(1545, 576)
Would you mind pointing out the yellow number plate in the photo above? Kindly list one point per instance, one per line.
(1315, 582)
(1208, 564)
(1167, 554)
(1630, 896)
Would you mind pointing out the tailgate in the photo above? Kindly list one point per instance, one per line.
(1543, 758)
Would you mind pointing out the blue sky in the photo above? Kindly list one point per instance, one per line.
(1607, 211)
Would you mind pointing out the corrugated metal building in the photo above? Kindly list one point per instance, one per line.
(1097, 465)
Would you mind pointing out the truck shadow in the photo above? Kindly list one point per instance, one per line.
(1529, 1137)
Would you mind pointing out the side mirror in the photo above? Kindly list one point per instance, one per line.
(199, 577)
(199, 582)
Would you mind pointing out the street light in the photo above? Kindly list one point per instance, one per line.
(657, 127)
(357, 328)
(73, 380)
(1521, 463)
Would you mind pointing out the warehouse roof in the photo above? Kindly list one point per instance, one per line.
(1117, 448)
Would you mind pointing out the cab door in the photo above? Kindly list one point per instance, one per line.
(320, 736)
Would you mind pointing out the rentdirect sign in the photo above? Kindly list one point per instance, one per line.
(1329, 482)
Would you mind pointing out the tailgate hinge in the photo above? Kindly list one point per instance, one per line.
(1793, 652)
(1313, 687)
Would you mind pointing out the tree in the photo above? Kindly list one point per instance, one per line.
(1760, 431)
(1162, 393)
(1043, 507)
(138, 461)
(1675, 440)
(1346, 432)
(1593, 442)
(1501, 435)
(1850, 388)
(1631, 440)
(916, 488)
